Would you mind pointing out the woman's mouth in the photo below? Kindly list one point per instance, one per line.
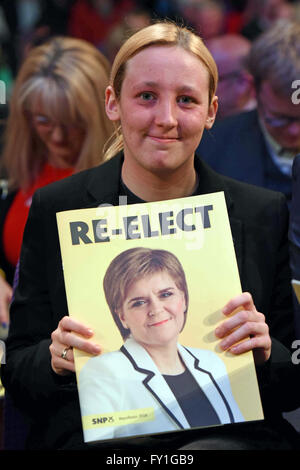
(163, 139)
(162, 322)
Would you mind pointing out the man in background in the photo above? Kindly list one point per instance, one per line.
(235, 90)
(259, 146)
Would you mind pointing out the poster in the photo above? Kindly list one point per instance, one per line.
(150, 280)
(296, 287)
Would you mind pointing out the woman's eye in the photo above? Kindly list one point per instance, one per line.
(146, 96)
(166, 294)
(138, 303)
(41, 119)
(185, 99)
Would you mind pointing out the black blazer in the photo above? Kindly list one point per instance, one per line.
(294, 230)
(6, 200)
(258, 220)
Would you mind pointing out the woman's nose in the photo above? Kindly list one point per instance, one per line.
(57, 133)
(166, 114)
(155, 307)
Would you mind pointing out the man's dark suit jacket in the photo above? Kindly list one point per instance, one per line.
(294, 233)
(258, 221)
(236, 147)
(294, 230)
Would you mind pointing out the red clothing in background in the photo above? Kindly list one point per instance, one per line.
(86, 23)
(18, 212)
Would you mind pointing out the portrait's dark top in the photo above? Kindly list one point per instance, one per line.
(192, 400)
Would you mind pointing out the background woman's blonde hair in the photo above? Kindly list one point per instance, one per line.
(68, 77)
(165, 34)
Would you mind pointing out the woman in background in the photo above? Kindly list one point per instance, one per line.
(57, 125)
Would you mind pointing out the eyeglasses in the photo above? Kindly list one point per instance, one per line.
(44, 122)
(277, 121)
(280, 121)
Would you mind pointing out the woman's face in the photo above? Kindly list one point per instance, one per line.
(153, 310)
(163, 108)
(63, 141)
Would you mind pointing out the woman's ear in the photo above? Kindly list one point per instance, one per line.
(111, 104)
(212, 112)
(121, 317)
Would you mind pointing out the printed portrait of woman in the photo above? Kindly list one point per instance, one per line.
(152, 384)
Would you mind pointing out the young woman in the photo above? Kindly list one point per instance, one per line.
(57, 125)
(161, 97)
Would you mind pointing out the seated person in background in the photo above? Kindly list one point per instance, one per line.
(57, 125)
(258, 147)
(161, 97)
(235, 90)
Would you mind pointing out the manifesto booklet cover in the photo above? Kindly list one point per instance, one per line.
(151, 281)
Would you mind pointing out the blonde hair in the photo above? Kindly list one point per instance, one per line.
(68, 77)
(165, 34)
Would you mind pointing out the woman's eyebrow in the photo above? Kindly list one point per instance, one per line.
(166, 288)
(152, 84)
(145, 84)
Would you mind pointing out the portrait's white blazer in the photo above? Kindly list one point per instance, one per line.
(128, 379)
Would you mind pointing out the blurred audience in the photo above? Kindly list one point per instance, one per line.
(93, 20)
(207, 17)
(56, 126)
(265, 14)
(55, 15)
(134, 20)
(258, 146)
(235, 89)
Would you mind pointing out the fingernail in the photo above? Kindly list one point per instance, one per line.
(97, 349)
(217, 331)
(4, 325)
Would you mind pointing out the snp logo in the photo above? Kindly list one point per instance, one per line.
(296, 93)
(103, 420)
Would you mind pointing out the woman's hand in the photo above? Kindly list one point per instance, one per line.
(5, 299)
(246, 327)
(68, 335)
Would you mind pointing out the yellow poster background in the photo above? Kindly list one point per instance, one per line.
(208, 259)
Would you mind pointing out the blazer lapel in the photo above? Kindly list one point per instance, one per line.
(208, 385)
(154, 382)
(103, 185)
